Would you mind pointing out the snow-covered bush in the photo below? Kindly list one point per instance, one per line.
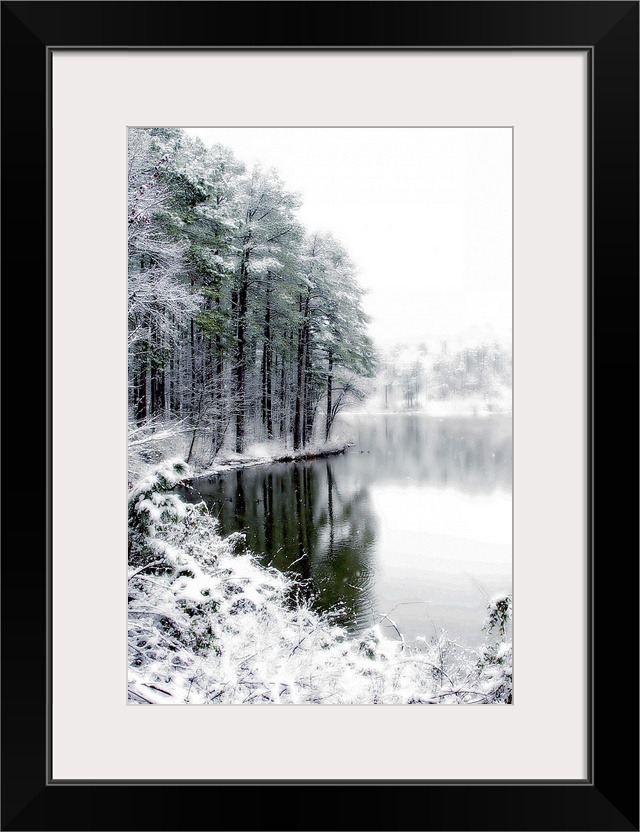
(209, 624)
(495, 665)
(151, 509)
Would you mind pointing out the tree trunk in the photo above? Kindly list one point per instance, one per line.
(140, 393)
(218, 389)
(283, 396)
(267, 416)
(192, 353)
(307, 428)
(299, 417)
(241, 337)
(329, 397)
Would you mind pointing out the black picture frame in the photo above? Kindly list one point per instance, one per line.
(608, 798)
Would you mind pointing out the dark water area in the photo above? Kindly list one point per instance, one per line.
(413, 521)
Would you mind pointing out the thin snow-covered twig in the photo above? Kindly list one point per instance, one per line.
(385, 616)
(147, 566)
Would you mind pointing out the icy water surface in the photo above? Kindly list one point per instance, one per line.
(413, 521)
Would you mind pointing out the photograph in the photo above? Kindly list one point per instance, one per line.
(320, 413)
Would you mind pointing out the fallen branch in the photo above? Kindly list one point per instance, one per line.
(139, 696)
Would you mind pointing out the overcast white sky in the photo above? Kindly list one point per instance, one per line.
(425, 214)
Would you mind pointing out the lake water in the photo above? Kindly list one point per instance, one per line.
(414, 521)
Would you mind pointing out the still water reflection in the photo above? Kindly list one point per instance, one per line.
(414, 520)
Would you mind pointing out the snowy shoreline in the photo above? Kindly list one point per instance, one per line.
(231, 463)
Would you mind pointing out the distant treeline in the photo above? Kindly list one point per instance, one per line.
(412, 376)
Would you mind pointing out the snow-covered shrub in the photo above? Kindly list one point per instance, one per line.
(495, 665)
(151, 508)
(209, 624)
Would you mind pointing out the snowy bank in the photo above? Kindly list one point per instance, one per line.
(269, 453)
(149, 446)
